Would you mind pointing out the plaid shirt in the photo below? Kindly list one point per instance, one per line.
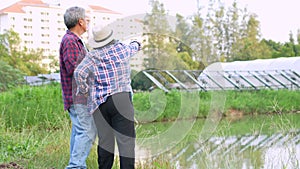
(110, 70)
(71, 52)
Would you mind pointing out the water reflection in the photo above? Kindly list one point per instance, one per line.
(249, 151)
(246, 152)
(287, 157)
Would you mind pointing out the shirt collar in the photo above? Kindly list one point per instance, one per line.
(75, 36)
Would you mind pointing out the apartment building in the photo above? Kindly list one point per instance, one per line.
(41, 25)
(131, 28)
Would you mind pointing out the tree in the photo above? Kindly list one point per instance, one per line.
(200, 40)
(182, 33)
(161, 45)
(156, 28)
(10, 77)
(234, 29)
(219, 28)
(298, 36)
(140, 81)
(249, 47)
(27, 61)
(287, 49)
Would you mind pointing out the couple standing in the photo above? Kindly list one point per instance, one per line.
(97, 92)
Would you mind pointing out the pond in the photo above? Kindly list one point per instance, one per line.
(190, 148)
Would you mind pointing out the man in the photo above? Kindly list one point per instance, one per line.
(110, 95)
(72, 51)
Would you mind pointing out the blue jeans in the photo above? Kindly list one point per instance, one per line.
(82, 136)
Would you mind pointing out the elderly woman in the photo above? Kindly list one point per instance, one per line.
(104, 75)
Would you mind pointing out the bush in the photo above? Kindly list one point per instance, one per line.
(10, 77)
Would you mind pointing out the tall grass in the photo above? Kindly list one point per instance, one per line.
(247, 102)
(264, 101)
(41, 106)
(32, 106)
(35, 131)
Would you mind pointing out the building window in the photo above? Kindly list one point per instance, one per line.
(44, 13)
(27, 34)
(45, 42)
(106, 18)
(28, 27)
(45, 35)
(45, 20)
(27, 19)
(45, 28)
(28, 42)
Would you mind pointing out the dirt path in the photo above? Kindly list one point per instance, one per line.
(11, 165)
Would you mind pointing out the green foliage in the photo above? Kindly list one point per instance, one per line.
(159, 106)
(161, 46)
(224, 34)
(11, 147)
(41, 106)
(141, 82)
(278, 49)
(32, 106)
(10, 77)
(248, 102)
(152, 106)
(156, 23)
(34, 130)
(27, 61)
(260, 124)
(264, 101)
(189, 62)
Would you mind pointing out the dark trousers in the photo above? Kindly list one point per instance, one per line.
(115, 120)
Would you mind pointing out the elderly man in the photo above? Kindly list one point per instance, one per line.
(72, 51)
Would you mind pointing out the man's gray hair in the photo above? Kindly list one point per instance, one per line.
(72, 16)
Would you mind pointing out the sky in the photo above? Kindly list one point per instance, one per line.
(277, 17)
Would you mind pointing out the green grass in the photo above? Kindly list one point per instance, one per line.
(35, 131)
(264, 101)
(260, 124)
(32, 106)
(37, 148)
(41, 106)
